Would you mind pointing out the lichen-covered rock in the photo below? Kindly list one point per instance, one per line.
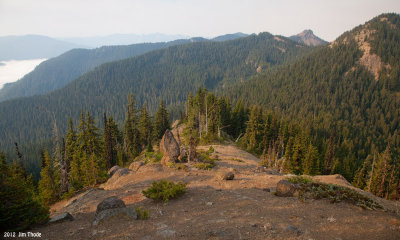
(114, 212)
(112, 207)
(110, 203)
(62, 217)
(121, 172)
(136, 165)
(113, 170)
(225, 175)
(169, 148)
(285, 189)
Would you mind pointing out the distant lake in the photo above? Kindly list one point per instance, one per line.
(11, 71)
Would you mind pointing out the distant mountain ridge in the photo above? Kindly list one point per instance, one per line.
(123, 39)
(228, 37)
(59, 71)
(308, 38)
(32, 47)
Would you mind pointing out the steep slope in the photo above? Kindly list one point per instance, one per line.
(308, 38)
(32, 47)
(59, 71)
(167, 74)
(243, 208)
(348, 90)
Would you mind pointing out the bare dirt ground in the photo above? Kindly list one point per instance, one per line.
(216, 209)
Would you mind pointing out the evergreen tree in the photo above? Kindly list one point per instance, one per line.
(310, 166)
(254, 130)
(363, 174)
(71, 159)
(132, 146)
(49, 183)
(145, 127)
(161, 122)
(19, 207)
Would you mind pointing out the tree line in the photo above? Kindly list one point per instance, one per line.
(288, 145)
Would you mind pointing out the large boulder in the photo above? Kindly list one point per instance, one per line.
(62, 217)
(119, 213)
(284, 188)
(225, 175)
(110, 203)
(112, 207)
(169, 148)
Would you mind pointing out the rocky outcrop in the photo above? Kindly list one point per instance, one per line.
(113, 170)
(225, 175)
(284, 188)
(121, 172)
(62, 217)
(112, 207)
(110, 203)
(169, 148)
(136, 165)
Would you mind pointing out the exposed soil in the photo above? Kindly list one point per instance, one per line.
(244, 208)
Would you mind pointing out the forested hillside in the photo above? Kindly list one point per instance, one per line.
(347, 93)
(57, 72)
(167, 74)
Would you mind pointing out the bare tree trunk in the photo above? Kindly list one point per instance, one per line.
(237, 139)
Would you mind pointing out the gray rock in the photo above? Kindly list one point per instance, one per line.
(164, 231)
(285, 189)
(169, 148)
(62, 217)
(113, 170)
(121, 172)
(260, 169)
(107, 214)
(226, 176)
(293, 229)
(136, 165)
(110, 203)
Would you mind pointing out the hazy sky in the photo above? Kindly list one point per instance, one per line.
(207, 18)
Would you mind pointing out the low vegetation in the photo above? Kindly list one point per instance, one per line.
(309, 189)
(178, 166)
(142, 214)
(205, 160)
(164, 190)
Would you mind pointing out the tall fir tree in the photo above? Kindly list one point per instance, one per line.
(49, 183)
(145, 127)
(161, 121)
(132, 145)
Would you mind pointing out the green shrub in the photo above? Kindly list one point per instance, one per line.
(237, 160)
(153, 157)
(308, 189)
(300, 180)
(178, 166)
(205, 165)
(142, 214)
(210, 150)
(165, 190)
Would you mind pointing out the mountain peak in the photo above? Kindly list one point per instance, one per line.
(308, 38)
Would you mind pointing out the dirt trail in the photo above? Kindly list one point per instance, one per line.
(214, 209)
